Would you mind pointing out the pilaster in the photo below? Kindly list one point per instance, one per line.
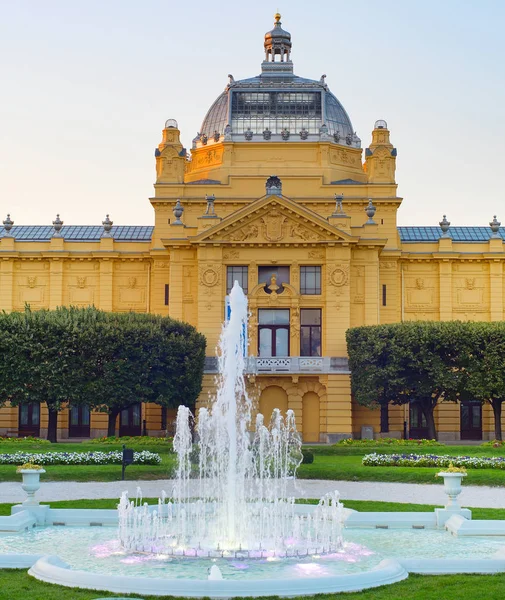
(211, 291)
(176, 284)
(55, 283)
(372, 290)
(106, 283)
(6, 284)
(445, 286)
(496, 290)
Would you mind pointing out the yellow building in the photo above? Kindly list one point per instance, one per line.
(278, 194)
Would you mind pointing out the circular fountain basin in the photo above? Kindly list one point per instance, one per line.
(369, 558)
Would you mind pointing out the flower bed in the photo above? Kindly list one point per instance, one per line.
(78, 458)
(432, 460)
(387, 442)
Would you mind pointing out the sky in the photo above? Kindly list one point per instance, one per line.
(86, 86)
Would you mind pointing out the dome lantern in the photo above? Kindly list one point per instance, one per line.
(277, 42)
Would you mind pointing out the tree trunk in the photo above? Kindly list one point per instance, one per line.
(52, 425)
(428, 408)
(111, 429)
(496, 403)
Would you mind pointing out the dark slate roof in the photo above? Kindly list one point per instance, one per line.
(458, 234)
(81, 233)
(347, 182)
(204, 182)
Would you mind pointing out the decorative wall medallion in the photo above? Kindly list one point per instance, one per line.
(32, 282)
(420, 283)
(81, 282)
(132, 282)
(387, 265)
(339, 276)
(316, 253)
(231, 255)
(209, 277)
(470, 283)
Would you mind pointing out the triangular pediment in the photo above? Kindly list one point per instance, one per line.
(273, 220)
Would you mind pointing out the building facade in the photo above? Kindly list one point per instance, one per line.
(278, 194)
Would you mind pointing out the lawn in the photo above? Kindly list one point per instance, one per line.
(17, 585)
(331, 462)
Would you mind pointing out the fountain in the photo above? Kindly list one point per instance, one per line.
(234, 530)
(242, 509)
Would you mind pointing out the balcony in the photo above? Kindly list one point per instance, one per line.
(288, 365)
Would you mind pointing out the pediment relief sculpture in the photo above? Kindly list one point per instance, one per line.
(275, 227)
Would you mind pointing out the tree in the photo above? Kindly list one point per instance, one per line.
(407, 362)
(108, 361)
(484, 366)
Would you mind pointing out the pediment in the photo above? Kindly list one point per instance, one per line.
(273, 220)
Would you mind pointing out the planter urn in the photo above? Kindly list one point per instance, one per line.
(30, 484)
(452, 487)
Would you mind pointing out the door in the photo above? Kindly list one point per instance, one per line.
(418, 427)
(29, 419)
(130, 421)
(471, 421)
(273, 332)
(310, 417)
(78, 421)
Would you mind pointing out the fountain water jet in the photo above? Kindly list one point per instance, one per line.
(243, 508)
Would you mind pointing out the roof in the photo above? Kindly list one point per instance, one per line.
(458, 234)
(81, 233)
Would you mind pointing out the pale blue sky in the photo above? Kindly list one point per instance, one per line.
(87, 85)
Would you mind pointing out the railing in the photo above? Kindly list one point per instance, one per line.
(288, 364)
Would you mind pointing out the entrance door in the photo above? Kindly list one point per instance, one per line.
(471, 421)
(130, 421)
(273, 332)
(78, 421)
(418, 429)
(29, 419)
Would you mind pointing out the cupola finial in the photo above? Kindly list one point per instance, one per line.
(277, 49)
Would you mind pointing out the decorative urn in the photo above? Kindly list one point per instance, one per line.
(31, 483)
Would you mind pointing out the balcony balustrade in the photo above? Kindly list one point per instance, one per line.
(257, 365)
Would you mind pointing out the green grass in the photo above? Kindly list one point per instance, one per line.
(17, 585)
(331, 462)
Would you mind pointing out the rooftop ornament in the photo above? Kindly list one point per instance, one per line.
(339, 209)
(274, 186)
(178, 209)
(171, 124)
(210, 211)
(107, 226)
(495, 227)
(57, 225)
(370, 212)
(380, 124)
(8, 223)
(444, 226)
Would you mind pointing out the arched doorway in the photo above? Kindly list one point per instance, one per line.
(272, 397)
(310, 417)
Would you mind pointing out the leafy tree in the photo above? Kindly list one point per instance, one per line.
(484, 367)
(108, 361)
(407, 362)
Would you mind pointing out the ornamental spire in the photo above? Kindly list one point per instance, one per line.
(277, 49)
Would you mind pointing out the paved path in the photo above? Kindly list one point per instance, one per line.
(472, 496)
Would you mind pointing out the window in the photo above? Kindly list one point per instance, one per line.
(281, 275)
(236, 274)
(310, 332)
(273, 332)
(167, 294)
(384, 295)
(310, 280)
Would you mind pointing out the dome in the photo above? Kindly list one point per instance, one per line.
(277, 105)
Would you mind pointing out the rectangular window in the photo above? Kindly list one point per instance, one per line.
(384, 295)
(280, 274)
(310, 332)
(239, 274)
(310, 280)
(273, 332)
(167, 295)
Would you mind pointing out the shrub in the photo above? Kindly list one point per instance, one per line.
(23, 440)
(308, 457)
(387, 442)
(135, 440)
